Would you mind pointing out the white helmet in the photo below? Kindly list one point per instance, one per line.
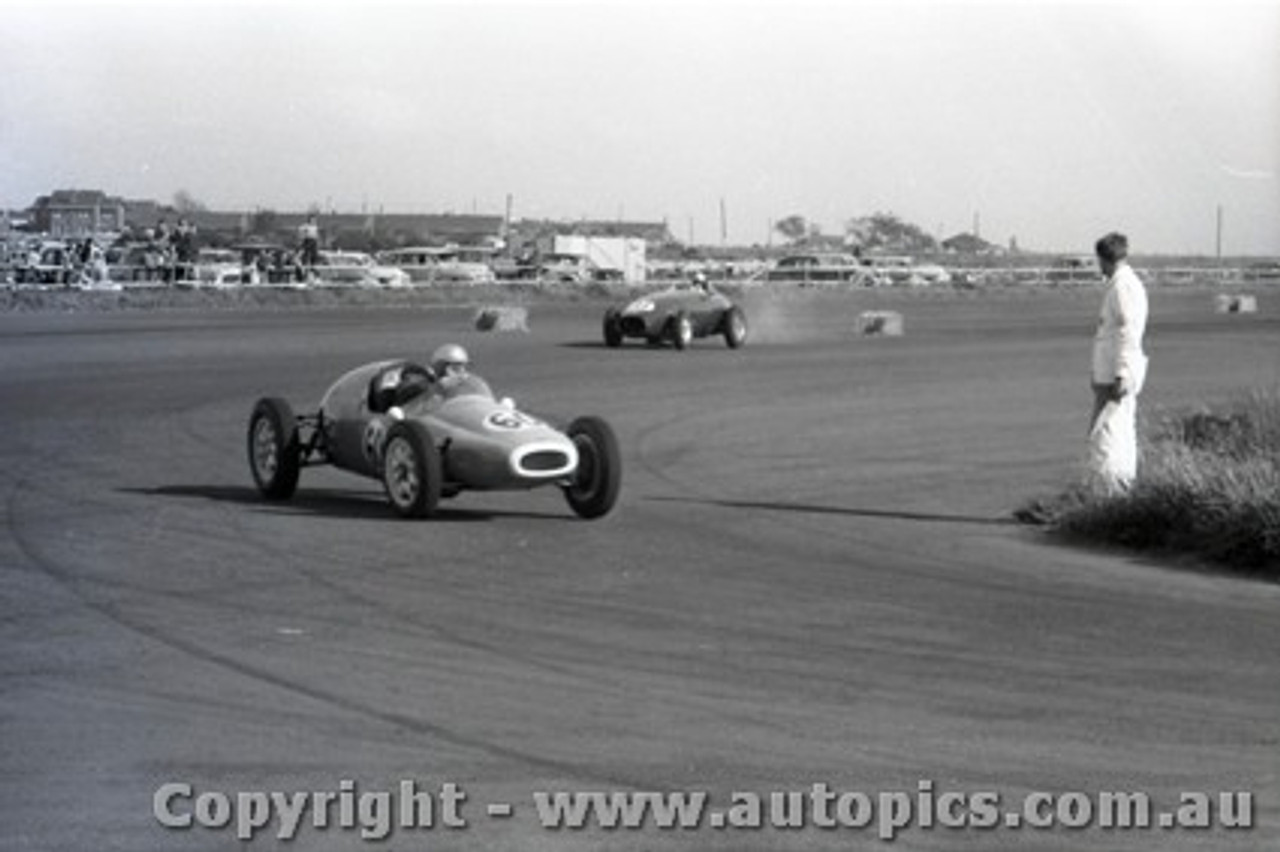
(449, 358)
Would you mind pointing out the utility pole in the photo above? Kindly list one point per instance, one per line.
(724, 224)
(1219, 235)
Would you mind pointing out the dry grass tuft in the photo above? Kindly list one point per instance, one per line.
(1209, 485)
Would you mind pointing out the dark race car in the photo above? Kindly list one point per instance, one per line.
(427, 438)
(677, 315)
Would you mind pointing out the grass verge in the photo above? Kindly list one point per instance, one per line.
(1208, 486)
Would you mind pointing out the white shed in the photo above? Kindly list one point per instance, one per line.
(625, 255)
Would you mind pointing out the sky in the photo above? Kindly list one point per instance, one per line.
(1045, 123)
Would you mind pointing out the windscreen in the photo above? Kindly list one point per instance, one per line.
(468, 384)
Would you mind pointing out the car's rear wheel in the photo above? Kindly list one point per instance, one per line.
(612, 330)
(735, 328)
(598, 479)
(411, 470)
(275, 453)
(680, 331)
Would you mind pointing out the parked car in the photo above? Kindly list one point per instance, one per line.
(271, 265)
(357, 269)
(929, 274)
(890, 269)
(1262, 271)
(565, 268)
(217, 269)
(48, 263)
(821, 268)
(437, 265)
(1078, 268)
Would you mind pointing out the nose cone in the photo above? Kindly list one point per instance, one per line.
(544, 459)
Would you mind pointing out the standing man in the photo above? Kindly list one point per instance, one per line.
(1119, 369)
(184, 245)
(309, 232)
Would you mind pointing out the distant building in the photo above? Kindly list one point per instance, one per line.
(542, 233)
(78, 213)
(424, 228)
(653, 233)
(969, 244)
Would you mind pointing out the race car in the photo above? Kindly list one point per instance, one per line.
(428, 437)
(677, 315)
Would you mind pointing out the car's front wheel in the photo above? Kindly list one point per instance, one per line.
(597, 481)
(275, 453)
(612, 330)
(680, 331)
(735, 327)
(411, 470)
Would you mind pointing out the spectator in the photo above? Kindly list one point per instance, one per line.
(184, 242)
(1119, 369)
(309, 233)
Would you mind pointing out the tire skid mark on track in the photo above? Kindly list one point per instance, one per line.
(584, 671)
(118, 615)
(646, 452)
(949, 568)
(346, 592)
(79, 586)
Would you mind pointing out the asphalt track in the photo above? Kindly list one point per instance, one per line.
(811, 578)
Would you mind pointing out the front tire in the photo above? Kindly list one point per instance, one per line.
(680, 331)
(735, 328)
(612, 330)
(275, 452)
(411, 470)
(598, 479)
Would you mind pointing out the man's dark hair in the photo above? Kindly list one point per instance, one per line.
(1113, 247)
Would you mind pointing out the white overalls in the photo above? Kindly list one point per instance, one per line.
(1118, 355)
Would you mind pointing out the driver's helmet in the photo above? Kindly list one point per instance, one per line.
(700, 279)
(449, 360)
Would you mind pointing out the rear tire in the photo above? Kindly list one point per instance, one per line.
(411, 470)
(598, 479)
(735, 328)
(275, 453)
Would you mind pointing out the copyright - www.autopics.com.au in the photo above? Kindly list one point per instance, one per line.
(411, 806)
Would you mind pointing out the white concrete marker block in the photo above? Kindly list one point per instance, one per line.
(882, 323)
(502, 318)
(1226, 303)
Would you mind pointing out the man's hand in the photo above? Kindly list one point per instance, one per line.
(1111, 392)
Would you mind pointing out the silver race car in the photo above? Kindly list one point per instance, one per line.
(428, 436)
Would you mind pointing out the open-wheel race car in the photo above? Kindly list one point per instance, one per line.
(677, 315)
(428, 436)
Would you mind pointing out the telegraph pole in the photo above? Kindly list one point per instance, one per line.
(1219, 235)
